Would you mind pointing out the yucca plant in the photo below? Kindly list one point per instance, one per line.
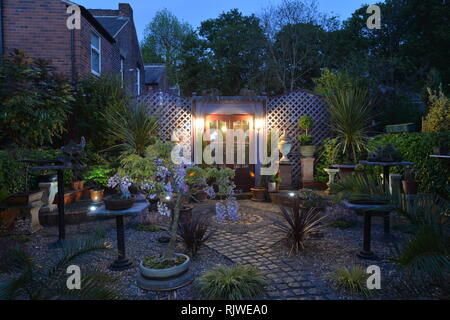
(298, 225)
(349, 113)
(132, 127)
(237, 282)
(194, 233)
(46, 280)
(352, 280)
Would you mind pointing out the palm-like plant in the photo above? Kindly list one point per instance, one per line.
(194, 233)
(349, 113)
(46, 280)
(132, 126)
(298, 225)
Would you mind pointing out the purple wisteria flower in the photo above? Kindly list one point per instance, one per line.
(163, 209)
(123, 182)
(221, 211)
(179, 179)
(162, 172)
(210, 192)
(232, 208)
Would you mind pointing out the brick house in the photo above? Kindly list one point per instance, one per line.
(106, 43)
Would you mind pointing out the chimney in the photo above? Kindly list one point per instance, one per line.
(125, 10)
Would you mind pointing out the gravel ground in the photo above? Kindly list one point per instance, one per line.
(336, 247)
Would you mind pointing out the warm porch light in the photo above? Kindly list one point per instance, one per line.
(200, 123)
(224, 129)
(259, 124)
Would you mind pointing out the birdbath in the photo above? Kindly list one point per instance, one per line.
(121, 263)
(369, 209)
(386, 166)
(331, 175)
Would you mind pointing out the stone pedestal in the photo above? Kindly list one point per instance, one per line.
(285, 175)
(50, 190)
(307, 167)
(331, 176)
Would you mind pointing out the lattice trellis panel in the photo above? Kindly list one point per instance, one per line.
(173, 112)
(283, 113)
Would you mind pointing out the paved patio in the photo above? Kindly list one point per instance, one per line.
(251, 241)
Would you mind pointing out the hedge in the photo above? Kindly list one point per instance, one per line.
(12, 172)
(433, 175)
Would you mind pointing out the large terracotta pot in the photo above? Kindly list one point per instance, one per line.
(409, 187)
(259, 194)
(97, 195)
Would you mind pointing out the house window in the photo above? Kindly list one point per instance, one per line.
(95, 54)
(122, 70)
(138, 84)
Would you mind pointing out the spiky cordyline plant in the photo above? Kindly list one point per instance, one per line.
(46, 280)
(298, 225)
(194, 233)
(237, 282)
(349, 113)
(132, 126)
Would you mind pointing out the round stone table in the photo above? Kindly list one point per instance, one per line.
(121, 263)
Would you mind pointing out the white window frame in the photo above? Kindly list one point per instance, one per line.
(98, 51)
(122, 71)
(138, 79)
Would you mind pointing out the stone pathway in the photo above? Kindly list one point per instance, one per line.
(252, 243)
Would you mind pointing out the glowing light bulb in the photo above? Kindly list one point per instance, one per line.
(167, 198)
(93, 208)
(291, 194)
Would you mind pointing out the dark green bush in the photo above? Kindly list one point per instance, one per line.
(12, 172)
(433, 175)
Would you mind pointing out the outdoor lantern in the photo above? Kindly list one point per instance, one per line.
(259, 124)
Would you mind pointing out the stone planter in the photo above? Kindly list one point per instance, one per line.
(97, 195)
(24, 198)
(409, 187)
(116, 203)
(165, 279)
(307, 151)
(259, 194)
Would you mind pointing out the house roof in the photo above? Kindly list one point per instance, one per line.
(113, 24)
(154, 73)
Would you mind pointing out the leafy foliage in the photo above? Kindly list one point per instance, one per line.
(132, 127)
(46, 280)
(35, 101)
(432, 174)
(237, 282)
(99, 176)
(94, 97)
(352, 280)
(194, 233)
(438, 117)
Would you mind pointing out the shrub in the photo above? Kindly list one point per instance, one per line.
(99, 175)
(237, 282)
(352, 280)
(438, 117)
(298, 226)
(305, 123)
(94, 97)
(35, 101)
(432, 174)
(12, 172)
(305, 140)
(194, 233)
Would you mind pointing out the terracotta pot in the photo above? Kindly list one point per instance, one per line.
(116, 203)
(77, 195)
(77, 185)
(259, 194)
(68, 198)
(97, 195)
(409, 187)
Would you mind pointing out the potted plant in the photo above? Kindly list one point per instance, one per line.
(307, 149)
(273, 183)
(170, 269)
(259, 194)
(98, 178)
(123, 200)
(409, 182)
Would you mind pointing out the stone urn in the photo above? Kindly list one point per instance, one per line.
(285, 146)
(165, 279)
(308, 151)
